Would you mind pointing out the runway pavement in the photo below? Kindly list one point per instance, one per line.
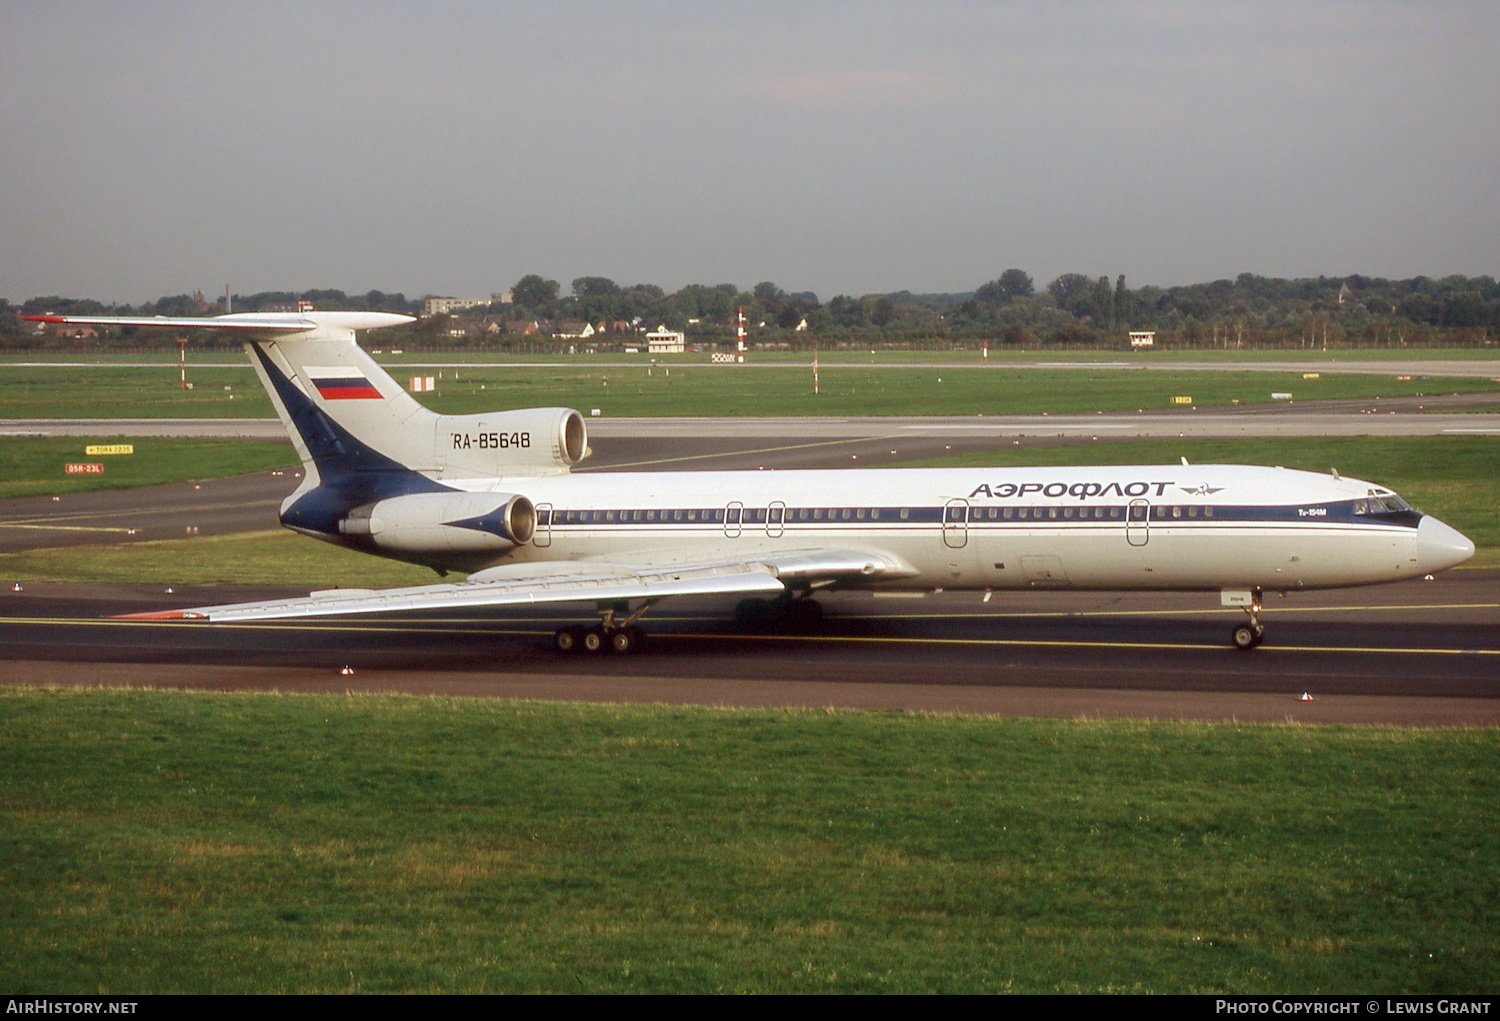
(1414, 654)
(1435, 415)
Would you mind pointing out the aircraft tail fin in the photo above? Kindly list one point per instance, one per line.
(350, 421)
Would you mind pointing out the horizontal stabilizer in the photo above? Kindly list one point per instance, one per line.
(242, 322)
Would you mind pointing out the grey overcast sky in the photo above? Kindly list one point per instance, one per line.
(159, 147)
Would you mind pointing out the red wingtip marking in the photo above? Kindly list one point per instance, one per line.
(46, 319)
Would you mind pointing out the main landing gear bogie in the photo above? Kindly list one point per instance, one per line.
(798, 613)
(597, 640)
(616, 633)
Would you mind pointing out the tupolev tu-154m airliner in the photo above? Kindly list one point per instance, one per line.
(494, 496)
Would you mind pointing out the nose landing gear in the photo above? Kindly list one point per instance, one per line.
(1251, 633)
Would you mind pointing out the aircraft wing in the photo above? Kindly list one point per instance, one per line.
(533, 584)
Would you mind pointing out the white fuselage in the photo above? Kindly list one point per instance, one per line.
(1135, 527)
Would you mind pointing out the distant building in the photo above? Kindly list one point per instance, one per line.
(666, 342)
(445, 306)
(68, 332)
(1142, 338)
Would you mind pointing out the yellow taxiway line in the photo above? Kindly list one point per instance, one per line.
(65, 528)
(439, 628)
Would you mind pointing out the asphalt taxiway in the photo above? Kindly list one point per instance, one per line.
(1415, 653)
(1431, 415)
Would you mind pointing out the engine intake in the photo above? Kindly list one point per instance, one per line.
(529, 441)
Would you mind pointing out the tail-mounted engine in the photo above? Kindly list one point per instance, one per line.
(532, 441)
(444, 522)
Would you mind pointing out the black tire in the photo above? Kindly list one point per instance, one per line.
(594, 641)
(755, 613)
(568, 639)
(626, 641)
(1247, 637)
(805, 615)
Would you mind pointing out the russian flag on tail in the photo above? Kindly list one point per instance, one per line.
(341, 383)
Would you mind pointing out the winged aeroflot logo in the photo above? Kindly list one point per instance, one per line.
(1203, 490)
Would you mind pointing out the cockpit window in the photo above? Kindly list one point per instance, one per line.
(1388, 503)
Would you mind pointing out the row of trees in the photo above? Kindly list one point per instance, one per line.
(1072, 310)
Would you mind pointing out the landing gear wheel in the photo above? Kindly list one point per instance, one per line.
(804, 614)
(626, 641)
(755, 613)
(616, 633)
(1248, 636)
(568, 639)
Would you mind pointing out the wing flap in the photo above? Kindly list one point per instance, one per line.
(530, 584)
(528, 590)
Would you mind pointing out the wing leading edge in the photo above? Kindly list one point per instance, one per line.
(562, 582)
(241, 322)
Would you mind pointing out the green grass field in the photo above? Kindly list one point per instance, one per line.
(637, 389)
(858, 390)
(971, 351)
(228, 390)
(847, 352)
(34, 466)
(160, 842)
(271, 557)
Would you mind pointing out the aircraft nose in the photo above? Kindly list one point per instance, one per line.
(1441, 546)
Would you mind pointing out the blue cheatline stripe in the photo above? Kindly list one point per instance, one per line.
(1162, 516)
